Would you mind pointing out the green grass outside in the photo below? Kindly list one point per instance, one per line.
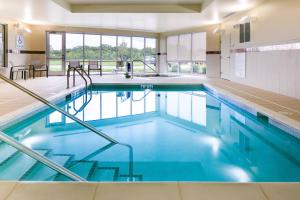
(56, 66)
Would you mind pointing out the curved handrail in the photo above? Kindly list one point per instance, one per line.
(143, 97)
(91, 82)
(78, 70)
(84, 104)
(12, 142)
(144, 64)
(32, 94)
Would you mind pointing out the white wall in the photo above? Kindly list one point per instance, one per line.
(276, 71)
(213, 63)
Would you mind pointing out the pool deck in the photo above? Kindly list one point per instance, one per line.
(13, 103)
(148, 191)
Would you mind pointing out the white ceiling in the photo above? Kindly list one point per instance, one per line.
(132, 1)
(48, 12)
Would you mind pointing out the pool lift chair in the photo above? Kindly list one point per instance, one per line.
(154, 72)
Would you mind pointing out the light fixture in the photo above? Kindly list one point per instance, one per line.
(247, 19)
(20, 28)
(218, 30)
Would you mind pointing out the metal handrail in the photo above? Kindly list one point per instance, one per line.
(78, 70)
(84, 104)
(12, 142)
(91, 82)
(143, 63)
(143, 97)
(32, 94)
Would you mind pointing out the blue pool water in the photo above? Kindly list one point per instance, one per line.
(173, 134)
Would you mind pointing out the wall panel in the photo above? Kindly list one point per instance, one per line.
(275, 71)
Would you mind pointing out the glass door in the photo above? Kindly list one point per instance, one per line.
(56, 53)
(2, 50)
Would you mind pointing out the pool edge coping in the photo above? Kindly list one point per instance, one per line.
(290, 126)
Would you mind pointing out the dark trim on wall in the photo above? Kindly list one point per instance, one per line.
(32, 52)
(25, 51)
(213, 52)
(238, 50)
(207, 52)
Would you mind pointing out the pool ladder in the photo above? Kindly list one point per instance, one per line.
(81, 72)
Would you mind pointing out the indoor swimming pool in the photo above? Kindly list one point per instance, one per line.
(165, 133)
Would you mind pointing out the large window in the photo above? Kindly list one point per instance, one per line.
(124, 51)
(150, 54)
(109, 53)
(92, 48)
(112, 52)
(74, 47)
(137, 53)
(186, 53)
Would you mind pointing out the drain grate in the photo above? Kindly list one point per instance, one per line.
(262, 117)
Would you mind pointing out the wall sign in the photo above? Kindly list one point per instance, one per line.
(20, 42)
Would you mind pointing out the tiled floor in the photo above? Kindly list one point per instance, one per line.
(148, 191)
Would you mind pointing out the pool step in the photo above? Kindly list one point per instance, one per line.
(81, 168)
(41, 172)
(6, 152)
(17, 165)
(105, 174)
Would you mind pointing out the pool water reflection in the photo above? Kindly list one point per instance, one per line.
(171, 135)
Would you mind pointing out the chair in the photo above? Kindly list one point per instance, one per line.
(38, 67)
(19, 68)
(94, 66)
(75, 64)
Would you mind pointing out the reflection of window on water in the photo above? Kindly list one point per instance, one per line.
(55, 118)
(124, 107)
(107, 105)
(138, 103)
(187, 106)
(244, 143)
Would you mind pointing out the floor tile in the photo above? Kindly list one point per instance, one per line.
(139, 191)
(282, 191)
(6, 188)
(221, 191)
(53, 191)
